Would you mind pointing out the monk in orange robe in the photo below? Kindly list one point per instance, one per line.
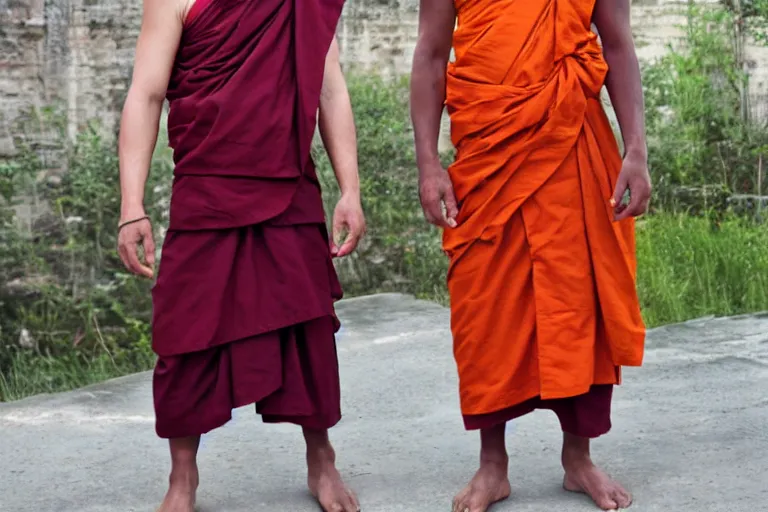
(538, 214)
(243, 305)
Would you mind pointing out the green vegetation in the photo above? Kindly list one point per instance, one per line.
(687, 269)
(70, 315)
(698, 118)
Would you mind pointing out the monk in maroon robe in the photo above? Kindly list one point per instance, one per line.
(244, 297)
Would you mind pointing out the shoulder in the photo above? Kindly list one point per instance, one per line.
(170, 10)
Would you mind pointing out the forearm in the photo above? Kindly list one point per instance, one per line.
(337, 130)
(626, 92)
(427, 102)
(138, 136)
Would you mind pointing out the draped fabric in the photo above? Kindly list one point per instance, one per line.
(244, 298)
(542, 280)
(243, 96)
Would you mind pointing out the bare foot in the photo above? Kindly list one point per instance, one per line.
(584, 477)
(489, 485)
(181, 493)
(325, 482)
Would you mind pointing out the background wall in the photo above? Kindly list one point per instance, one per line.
(77, 55)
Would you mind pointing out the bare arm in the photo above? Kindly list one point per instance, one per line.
(155, 52)
(337, 125)
(437, 19)
(337, 129)
(612, 18)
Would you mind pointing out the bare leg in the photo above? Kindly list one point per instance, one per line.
(491, 482)
(184, 476)
(581, 475)
(324, 480)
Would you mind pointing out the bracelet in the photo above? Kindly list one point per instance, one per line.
(121, 226)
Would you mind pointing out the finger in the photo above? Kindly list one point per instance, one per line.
(350, 244)
(433, 209)
(427, 216)
(338, 228)
(149, 249)
(618, 193)
(451, 207)
(635, 207)
(639, 209)
(348, 247)
(132, 258)
(122, 251)
(332, 245)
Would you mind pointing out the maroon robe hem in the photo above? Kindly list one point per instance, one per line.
(587, 415)
(291, 375)
(218, 285)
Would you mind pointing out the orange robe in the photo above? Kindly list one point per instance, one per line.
(542, 281)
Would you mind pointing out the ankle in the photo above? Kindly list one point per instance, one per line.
(184, 475)
(321, 453)
(319, 445)
(494, 458)
(573, 458)
(493, 447)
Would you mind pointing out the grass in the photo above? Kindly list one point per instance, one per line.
(30, 375)
(686, 269)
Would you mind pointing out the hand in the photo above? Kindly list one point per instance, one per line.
(437, 198)
(129, 238)
(634, 177)
(348, 216)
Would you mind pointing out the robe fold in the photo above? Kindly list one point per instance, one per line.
(243, 304)
(542, 281)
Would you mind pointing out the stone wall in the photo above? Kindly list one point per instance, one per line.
(77, 55)
(74, 56)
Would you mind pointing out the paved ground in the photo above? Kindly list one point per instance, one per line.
(690, 431)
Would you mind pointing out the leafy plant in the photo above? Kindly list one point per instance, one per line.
(699, 130)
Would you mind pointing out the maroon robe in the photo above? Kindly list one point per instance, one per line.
(587, 415)
(243, 304)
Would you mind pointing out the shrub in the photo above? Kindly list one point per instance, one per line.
(700, 134)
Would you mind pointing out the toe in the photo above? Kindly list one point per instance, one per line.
(458, 504)
(622, 498)
(607, 503)
(350, 503)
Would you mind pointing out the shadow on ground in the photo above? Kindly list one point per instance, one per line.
(690, 431)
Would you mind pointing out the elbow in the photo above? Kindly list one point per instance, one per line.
(147, 98)
(430, 57)
(334, 89)
(619, 48)
(332, 99)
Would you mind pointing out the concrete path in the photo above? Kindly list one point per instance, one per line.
(690, 431)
